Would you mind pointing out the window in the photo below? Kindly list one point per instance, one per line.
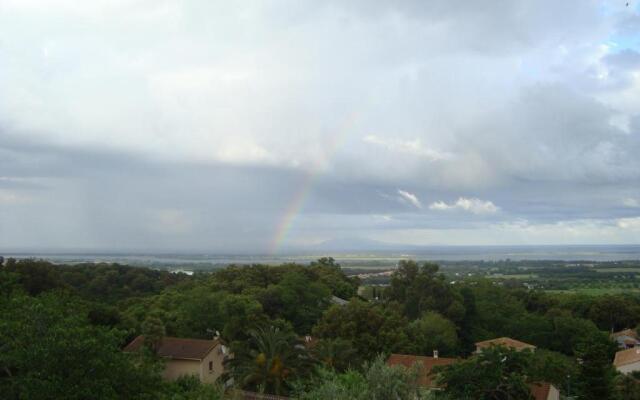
(210, 365)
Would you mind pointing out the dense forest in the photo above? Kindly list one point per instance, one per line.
(63, 327)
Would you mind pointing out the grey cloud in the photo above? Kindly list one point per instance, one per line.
(198, 125)
(626, 59)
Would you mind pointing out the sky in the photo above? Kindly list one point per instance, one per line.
(268, 126)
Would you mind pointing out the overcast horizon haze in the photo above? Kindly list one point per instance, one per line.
(264, 126)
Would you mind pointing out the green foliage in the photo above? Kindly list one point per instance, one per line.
(469, 321)
(596, 372)
(419, 288)
(104, 282)
(614, 312)
(198, 312)
(567, 331)
(377, 381)
(269, 361)
(153, 331)
(432, 332)
(299, 301)
(553, 367)
(338, 354)
(626, 387)
(190, 388)
(76, 316)
(35, 276)
(498, 311)
(372, 328)
(51, 351)
(330, 274)
(329, 384)
(495, 374)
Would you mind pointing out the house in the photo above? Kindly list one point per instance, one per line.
(539, 391)
(202, 358)
(246, 395)
(505, 342)
(544, 391)
(626, 339)
(426, 379)
(627, 361)
(339, 301)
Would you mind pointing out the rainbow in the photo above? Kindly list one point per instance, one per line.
(299, 198)
(293, 209)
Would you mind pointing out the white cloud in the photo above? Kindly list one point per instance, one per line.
(472, 205)
(414, 147)
(8, 197)
(632, 223)
(631, 202)
(410, 198)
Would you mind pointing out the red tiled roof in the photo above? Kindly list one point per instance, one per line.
(426, 377)
(258, 396)
(506, 342)
(626, 332)
(180, 348)
(540, 391)
(628, 356)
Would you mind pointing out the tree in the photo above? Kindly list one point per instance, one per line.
(596, 372)
(432, 332)
(372, 328)
(330, 274)
(614, 312)
(36, 276)
(497, 373)
(467, 325)
(567, 331)
(552, 367)
(338, 354)
(377, 381)
(51, 351)
(419, 288)
(153, 331)
(303, 301)
(269, 361)
(626, 387)
(189, 388)
(295, 299)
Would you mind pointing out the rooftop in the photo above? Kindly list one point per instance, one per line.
(178, 348)
(540, 391)
(629, 356)
(626, 332)
(506, 342)
(426, 378)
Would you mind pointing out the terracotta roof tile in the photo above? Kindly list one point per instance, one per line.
(426, 377)
(506, 342)
(180, 348)
(540, 391)
(629, 356)
(626, 332)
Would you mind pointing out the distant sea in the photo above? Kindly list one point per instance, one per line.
(432, 253)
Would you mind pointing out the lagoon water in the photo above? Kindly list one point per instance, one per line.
(433, 253)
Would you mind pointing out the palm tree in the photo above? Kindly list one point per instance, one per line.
(268, 360)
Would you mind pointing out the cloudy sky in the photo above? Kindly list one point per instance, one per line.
(270, 125)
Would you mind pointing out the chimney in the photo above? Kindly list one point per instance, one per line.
(435, 354)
